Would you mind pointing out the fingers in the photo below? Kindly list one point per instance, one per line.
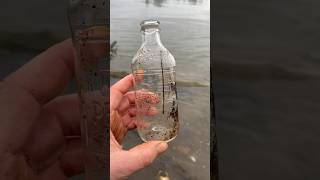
(54, 172)
(147, 97)
(139, 75)
(67, 111)
(71, 161)
(58, 119)
(127, 102)
(47, 74)
(129, 121)
(18, 111)
(133, 112)
(117, 126)
(150, 111)
(124, 84)
(144, 154)
(125, 163)
(142, 124)
(118, 90)
(45, 143)
(145, 100)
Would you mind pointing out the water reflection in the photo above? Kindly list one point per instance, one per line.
(158, 3)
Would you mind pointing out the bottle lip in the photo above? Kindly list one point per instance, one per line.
(149, 23)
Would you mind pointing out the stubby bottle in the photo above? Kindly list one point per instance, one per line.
(156, 105)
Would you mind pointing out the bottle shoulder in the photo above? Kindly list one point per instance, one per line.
(146, 57)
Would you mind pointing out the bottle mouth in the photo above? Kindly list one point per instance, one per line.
(149, 24)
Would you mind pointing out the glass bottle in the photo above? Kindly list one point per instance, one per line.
(153, 68)
(88, 23)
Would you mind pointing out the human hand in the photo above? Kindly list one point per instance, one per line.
(122, 118)
(40, 132)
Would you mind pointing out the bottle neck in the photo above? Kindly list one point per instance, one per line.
(151, 37)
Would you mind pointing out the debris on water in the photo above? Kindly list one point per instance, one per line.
(193, 159)
(163, 175)
(113, 49)
(113, 44)
(184, 149)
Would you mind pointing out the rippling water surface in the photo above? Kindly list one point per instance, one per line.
(185, 31)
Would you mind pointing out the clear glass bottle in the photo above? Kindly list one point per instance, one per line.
(88, 23)
(153, 68)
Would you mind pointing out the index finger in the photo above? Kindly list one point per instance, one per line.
(47, 74)
(124, 85)
(119, 89)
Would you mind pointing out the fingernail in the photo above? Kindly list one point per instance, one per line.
(161, 147)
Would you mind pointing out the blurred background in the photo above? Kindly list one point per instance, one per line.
(28, 28)
(267, 84)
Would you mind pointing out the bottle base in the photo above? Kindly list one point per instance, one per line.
(157, 133)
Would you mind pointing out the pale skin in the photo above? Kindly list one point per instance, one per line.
(40, 130)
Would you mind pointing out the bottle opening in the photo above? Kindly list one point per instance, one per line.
(149, 24)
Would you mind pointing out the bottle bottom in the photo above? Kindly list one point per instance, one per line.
(158, 133)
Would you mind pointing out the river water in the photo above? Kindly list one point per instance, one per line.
(266, 67)
(185, 31)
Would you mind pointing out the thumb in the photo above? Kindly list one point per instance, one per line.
(136, 158)
(144, 154)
